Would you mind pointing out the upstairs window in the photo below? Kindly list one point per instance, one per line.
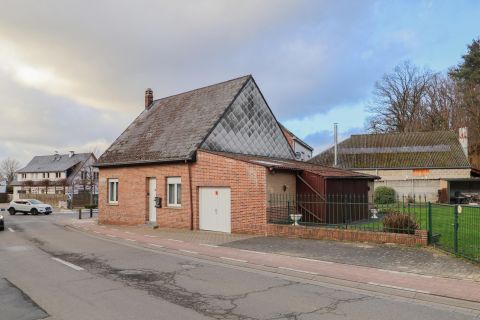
(113, 191)
(58, 174)
(174, 191)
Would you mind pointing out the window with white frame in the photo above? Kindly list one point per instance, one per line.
(113, 191)
(58, 174)
(174, 191)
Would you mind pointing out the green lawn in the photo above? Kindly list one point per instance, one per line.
(442, 226)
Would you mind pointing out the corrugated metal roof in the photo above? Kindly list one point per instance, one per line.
(437, 149)
(54, 163)
(283, 164)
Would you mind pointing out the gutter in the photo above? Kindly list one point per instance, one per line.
(139, 163)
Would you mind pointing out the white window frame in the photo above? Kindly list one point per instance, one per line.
(58, 175)
(176, 181)
(114, 190)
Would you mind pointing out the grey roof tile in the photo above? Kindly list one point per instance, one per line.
(54, 163)
(172, 128)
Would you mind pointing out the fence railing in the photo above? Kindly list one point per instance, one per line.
(456, 229)
(404, 214)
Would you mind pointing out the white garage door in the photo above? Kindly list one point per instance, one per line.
(215, 209)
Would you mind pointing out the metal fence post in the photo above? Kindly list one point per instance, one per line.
(430, 227)
(91, 212)
(455, 231)
(79, 214)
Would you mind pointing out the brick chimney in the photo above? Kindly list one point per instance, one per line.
(148, 97)
(463, 137)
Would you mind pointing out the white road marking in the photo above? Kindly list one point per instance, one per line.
(96, 232)
(188, 251)
(133, 240)
(231, 259)
(150, 236)
(407, 273)
(68, 264)
(395, 287)
(128, 232)
(156, 245)
(313, 260)
(11, 230)
(208, 245)
(297, 270)
(250, 251)
(111, 235)
(175, 240)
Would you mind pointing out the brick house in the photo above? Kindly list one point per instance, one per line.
(204, 159)
(57, 174)
(432, 164)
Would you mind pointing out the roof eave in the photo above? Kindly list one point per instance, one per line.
(142, 162)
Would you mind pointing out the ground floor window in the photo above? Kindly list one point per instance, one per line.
(113, 191)
(174, 191)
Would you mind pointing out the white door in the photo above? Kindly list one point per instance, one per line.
(152, 193)
(214, 206)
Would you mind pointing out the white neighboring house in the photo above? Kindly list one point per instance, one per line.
(3, 185)
(303, 152)
(57, 174)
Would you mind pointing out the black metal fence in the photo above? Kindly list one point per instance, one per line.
(351, 211)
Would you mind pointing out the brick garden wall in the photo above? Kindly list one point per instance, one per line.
(419, 238)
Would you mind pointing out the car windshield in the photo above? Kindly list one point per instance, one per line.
(35, 202)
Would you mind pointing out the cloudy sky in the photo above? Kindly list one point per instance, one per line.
(73, 73)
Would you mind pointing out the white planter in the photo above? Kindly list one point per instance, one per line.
(295, 217)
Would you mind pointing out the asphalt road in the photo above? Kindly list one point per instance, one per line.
(54, 272)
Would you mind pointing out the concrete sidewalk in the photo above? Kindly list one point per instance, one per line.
(210, 245)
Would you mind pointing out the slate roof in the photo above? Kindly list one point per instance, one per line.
(294, 165)
(410, 150)
(54, 163)
(172, 128)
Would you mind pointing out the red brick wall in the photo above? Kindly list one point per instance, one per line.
(132, 205)
(419, 238)
(248, 189)
(246, 181)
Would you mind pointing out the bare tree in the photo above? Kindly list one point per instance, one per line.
(8, 167)
(400, 98)
(29, 184)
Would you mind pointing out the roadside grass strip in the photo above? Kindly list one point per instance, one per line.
(68, 264)
(297, 270)
(397, 287)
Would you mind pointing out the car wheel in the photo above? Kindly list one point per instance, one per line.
(12, 211)
(34, 212)
(46, 213)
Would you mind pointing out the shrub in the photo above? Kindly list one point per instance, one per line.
(397, 222)
(91, 206)
(384, 195)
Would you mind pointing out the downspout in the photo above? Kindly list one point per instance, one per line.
(191, 197)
